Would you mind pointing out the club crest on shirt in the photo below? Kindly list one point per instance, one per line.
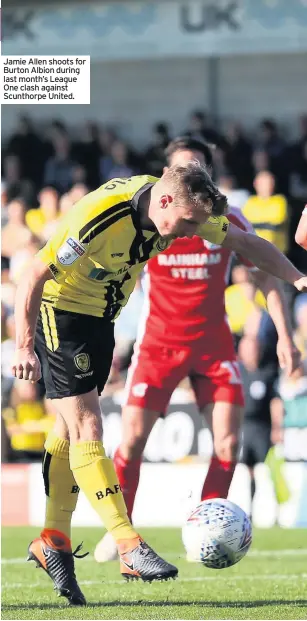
(82, 362)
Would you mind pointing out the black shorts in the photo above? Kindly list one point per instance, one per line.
(75, 351)
(256, 442)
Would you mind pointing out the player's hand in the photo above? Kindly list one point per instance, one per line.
(26, 365)
(289, 356)
(301, 284)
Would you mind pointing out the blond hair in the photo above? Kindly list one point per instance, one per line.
(192, 184)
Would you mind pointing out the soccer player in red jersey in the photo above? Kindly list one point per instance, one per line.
(184, 333)
(301, 231)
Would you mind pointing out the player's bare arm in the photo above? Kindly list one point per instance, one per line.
(301, 232)
(28, 299)
(288, 354)
(264, 255)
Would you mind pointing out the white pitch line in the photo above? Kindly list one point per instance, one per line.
(21, 585)
(253, 553)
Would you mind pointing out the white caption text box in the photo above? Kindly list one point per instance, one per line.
(45, 80)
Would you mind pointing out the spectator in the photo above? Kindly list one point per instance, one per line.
(79, 174)
(7, 288)
(298, 154)
(87, 153)
(43, 220)
(78, 191)
(120, 161)
(219, 164)
(155, 154)
(241, 299)
(106, 139)
(293, 400)
(298, 175)
(26, 422)
(21, 257)
(59, 168)
(56, 129)
(15, 234)
(275, 148)
(16, 185)
(236, 197)
(23, 409)
(268, 212)
(238, 156)
(262, 413)
(269, 139)
(28, 147)
(66, 203)
(200, 126)
(260, 161)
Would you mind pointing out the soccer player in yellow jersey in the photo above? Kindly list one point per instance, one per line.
(66, 304)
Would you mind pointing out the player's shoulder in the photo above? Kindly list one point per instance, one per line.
(216, 221)
(117, 192)
(126, 188)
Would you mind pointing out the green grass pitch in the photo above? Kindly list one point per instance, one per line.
(270, 583)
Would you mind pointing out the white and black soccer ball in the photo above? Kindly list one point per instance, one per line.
(217, 533)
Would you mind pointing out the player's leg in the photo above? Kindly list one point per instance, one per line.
(137, 423)
(152, 377)
(95, 475)
(224, 419)
(93, 471)
(61, 488)
(219, 394)
(80, 342)
(154, 373)
(52, 550)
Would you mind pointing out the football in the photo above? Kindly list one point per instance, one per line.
(217, 533)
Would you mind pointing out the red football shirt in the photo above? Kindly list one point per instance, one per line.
(185, 288)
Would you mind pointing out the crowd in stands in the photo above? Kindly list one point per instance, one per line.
(44, 173)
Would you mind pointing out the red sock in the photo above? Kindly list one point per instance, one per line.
(128, 472)
(218, 479)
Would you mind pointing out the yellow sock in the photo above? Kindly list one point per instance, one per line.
(95, 474)
(60, 486)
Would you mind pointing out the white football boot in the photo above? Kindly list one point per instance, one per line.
(106, 549)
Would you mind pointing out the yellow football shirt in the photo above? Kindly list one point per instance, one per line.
(27, 440)
(239, 307)
(100, 248)
(269, 217)
(35, 221)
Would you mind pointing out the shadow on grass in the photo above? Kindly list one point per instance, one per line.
(206, 604)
